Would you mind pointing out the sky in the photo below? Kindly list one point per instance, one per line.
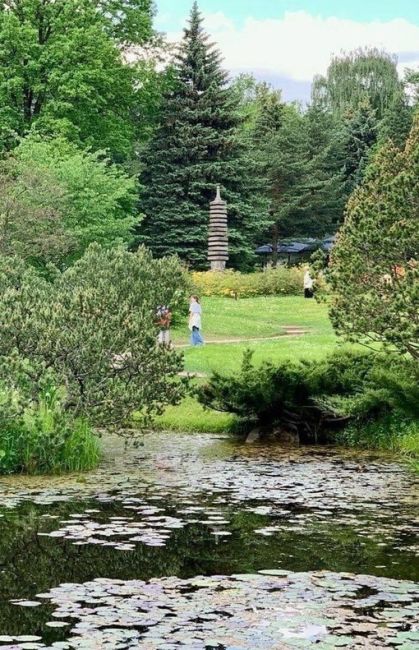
(287, 42)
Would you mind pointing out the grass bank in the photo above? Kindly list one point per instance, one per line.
(266, 319)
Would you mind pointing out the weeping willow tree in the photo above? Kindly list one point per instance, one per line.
(364, 75)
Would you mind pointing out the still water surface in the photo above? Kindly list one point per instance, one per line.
(204, 542)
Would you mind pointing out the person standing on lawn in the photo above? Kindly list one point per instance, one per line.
(164, 318)
(195, 312)
(308, 285)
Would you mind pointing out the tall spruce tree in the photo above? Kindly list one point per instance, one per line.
(195, 147)
(360, 136)
(327, 193)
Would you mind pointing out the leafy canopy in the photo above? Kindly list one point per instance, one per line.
(364, 75)
(58, 199)
(62, 70)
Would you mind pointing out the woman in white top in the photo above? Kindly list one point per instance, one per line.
(195, 311)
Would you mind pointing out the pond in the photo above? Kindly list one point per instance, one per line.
(204, 542)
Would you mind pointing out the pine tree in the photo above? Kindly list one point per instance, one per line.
(397, 122)
(194, 148)
(288, 174)
(374, 270)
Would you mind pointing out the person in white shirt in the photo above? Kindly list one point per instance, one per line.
(195, 312)
(308, 285)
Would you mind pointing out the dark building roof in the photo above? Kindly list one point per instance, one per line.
(298, 247)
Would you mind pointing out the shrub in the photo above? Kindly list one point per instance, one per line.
(310, 397)
(91, 329)
(232, 284)
(282, 395)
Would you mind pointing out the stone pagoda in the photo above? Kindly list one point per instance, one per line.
(218, 234)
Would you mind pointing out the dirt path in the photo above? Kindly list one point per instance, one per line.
(288, 331)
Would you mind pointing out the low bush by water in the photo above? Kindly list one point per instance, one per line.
(352, 397)
(47, 441)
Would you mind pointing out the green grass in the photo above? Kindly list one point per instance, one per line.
(227, 357)
(394, 432)
(191, 417)
(262, 317)
(257, 317)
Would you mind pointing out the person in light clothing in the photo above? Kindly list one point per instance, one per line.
(308, 285)
(195, 312)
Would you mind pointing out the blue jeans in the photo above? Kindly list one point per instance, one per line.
(196, 338)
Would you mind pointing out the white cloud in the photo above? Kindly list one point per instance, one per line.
(300, 45)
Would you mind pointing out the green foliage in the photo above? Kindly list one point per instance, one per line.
(307, 185)
(364, 75)
(310, 397)
(363, 93)
(127, 21)
(326, 192)
(374, 270)
(44, 439)
(91, 330)
(58, 199)
(286, 153)
(397, 122)
(393, 431)
(295, 161)
(359, 136)
(282, 280)
(194, 148)
(261, 394)
(62, 70)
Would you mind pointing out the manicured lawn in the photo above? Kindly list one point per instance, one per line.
(247, 318)
(257, 317)
(228, 357)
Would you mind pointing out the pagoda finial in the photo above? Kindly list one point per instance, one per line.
(218, 198)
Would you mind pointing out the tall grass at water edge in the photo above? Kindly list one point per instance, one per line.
(46, 441)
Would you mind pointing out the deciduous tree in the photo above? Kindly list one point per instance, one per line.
(57, 200)
(62, 70)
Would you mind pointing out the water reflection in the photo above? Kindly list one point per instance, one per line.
(227, 509)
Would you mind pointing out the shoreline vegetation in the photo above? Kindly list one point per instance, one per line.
(47, 442)
(384, 425)
(104, 225)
